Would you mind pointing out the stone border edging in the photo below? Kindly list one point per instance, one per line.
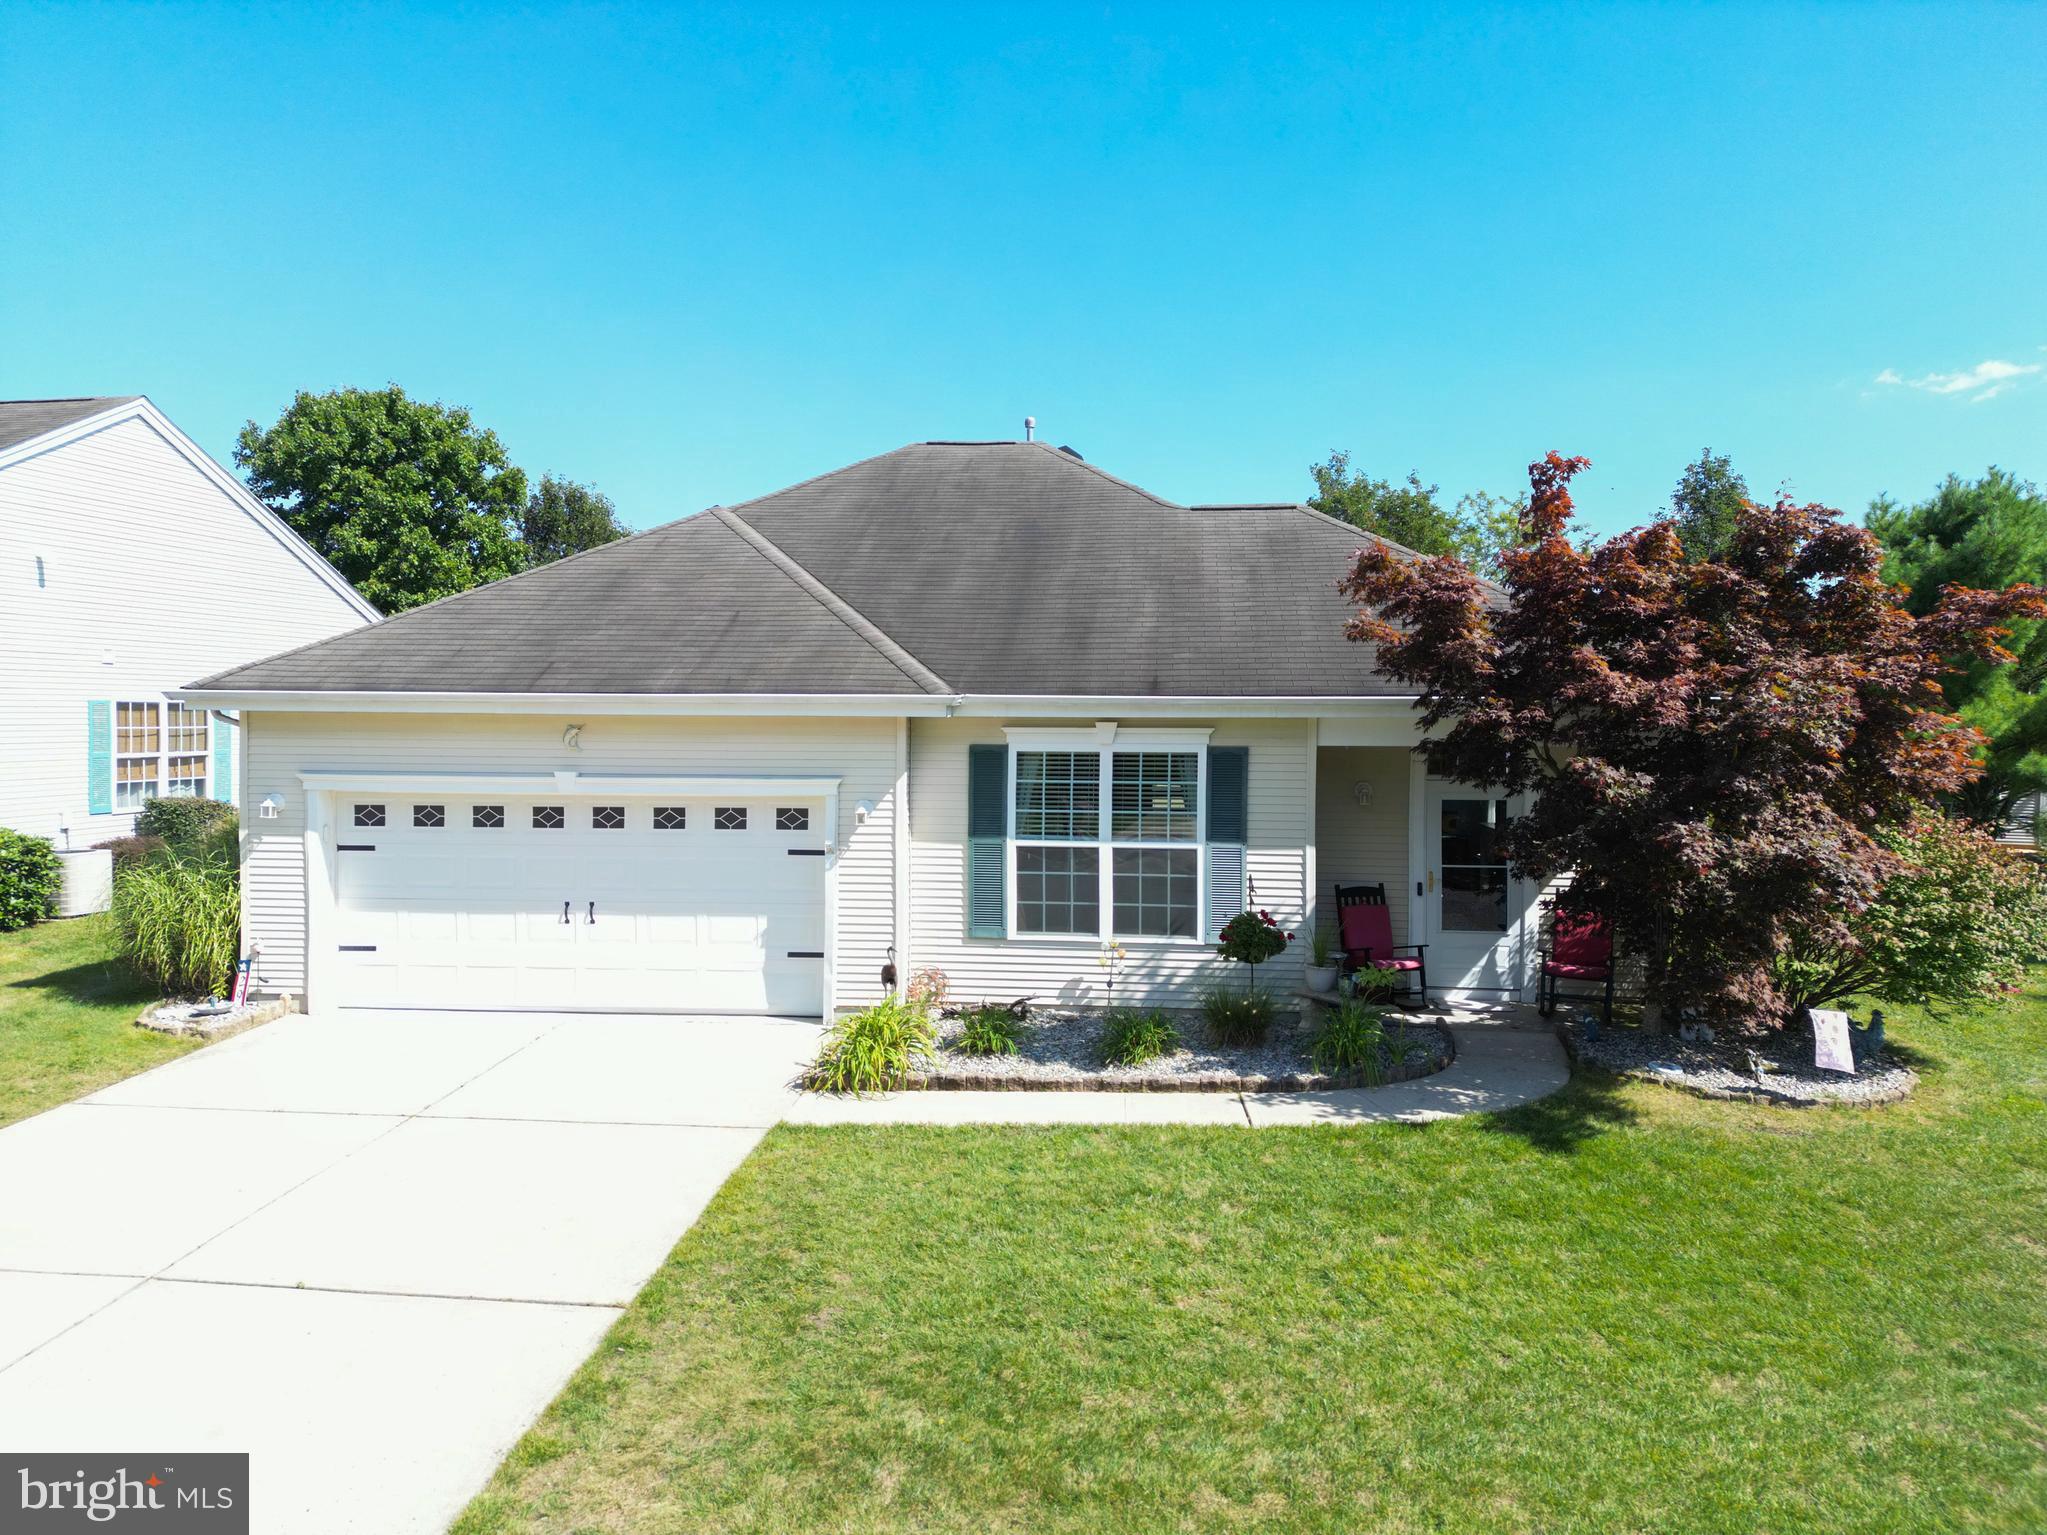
(1763, 1096)
(1445, 1055)
(268, 1012)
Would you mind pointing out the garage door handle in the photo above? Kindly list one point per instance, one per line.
(593, 911)
(565, 911)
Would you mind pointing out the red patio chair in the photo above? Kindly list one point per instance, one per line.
(1580, 949)
(1364, 926)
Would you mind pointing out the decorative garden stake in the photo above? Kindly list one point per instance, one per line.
(1112, 956)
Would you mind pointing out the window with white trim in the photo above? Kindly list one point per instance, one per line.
(160, 749)
(1140, 862)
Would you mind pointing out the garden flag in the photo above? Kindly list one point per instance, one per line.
(1830, 1048)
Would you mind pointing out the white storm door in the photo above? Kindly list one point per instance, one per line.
(1472, 902)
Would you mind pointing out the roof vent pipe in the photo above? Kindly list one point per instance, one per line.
(1030, 428)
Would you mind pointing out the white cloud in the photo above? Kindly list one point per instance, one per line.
(1986, 381)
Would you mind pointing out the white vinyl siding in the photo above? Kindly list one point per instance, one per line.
(1060, 970)
(125, 572)
(1363, 844)
(861, 753)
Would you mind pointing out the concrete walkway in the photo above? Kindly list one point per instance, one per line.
(365, 1248)
(1498, 1066)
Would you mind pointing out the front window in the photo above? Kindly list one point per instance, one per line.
(1142, 861)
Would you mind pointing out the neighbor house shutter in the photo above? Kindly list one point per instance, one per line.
(223, 761)
(99, 757)
(987, 828)
(1229, 824)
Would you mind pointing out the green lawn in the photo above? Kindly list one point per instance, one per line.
(1619, 1310)
(67, 1016)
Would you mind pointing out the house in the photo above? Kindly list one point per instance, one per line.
(972, 705)
(133, 563)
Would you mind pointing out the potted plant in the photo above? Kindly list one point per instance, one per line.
(1322, 969)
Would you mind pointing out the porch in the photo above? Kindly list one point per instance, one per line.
(1379, 819)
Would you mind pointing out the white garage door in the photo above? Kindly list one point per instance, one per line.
(612, 904)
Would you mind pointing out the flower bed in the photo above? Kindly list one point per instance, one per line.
(195, 1020)
(1062, 1052)
(1721, 1070)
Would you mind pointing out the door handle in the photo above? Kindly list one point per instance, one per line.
(593, 911)
(1432, 879)
(565, 911)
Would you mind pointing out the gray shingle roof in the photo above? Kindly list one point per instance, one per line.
(22, 419)
(983, 568)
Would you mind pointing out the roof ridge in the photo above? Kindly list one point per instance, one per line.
(1077, 462)
(839, 608)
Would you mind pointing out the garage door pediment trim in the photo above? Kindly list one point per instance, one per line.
(568, 782)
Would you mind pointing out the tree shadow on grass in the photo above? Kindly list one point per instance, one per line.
(100, 983)
(1591, 1104)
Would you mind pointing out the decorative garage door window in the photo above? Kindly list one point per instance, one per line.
(429, 815)
(369, 815)
(487, 817)
(548, 818)
(730, 818)
(792, 818)
(670, 817)
(607, 818)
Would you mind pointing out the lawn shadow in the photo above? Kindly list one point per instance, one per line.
(1591, 1104)
(102, 981)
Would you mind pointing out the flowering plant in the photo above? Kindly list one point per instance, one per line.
(928, 987)
(1252, 937)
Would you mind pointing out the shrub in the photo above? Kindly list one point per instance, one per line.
(1237, 1017)
(871, 1051)
(127, 850)
(988, 1030)
(180, 922)
(30, 879)
(1353, 1038)
(183, 822)
(929, 987)
(1131, 1037)
(1957, 920)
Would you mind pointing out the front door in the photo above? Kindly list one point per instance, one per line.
(1472, 902)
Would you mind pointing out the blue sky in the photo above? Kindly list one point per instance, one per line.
(692, 255)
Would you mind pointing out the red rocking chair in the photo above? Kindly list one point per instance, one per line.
(1580, 949)
(1364, 925)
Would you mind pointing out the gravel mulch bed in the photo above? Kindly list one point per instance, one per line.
(1720, 1070)
(1061, 1052)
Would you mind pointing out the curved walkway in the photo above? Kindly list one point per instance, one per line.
(1497, 1067)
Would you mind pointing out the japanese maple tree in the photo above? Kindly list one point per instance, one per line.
(1714, 745)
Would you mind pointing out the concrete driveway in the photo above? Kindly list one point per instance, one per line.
(366, 1248)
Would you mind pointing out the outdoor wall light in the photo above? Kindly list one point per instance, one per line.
(268, 806)
(862, 811)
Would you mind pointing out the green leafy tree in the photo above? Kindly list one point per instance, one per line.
(410, 500)
(1957, 922)
(1708, 499)
(1412, 514)
(563, 518)
(1986, 534)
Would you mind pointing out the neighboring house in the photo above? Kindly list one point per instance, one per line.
(132, 563)
(978, 706)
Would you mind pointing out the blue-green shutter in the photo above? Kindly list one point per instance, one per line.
(1229, 829)
(223, 785)
(99, 756)
(987, 831)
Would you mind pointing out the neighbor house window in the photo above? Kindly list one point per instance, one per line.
(138, 754)
(1139, 857)
(184, 752)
